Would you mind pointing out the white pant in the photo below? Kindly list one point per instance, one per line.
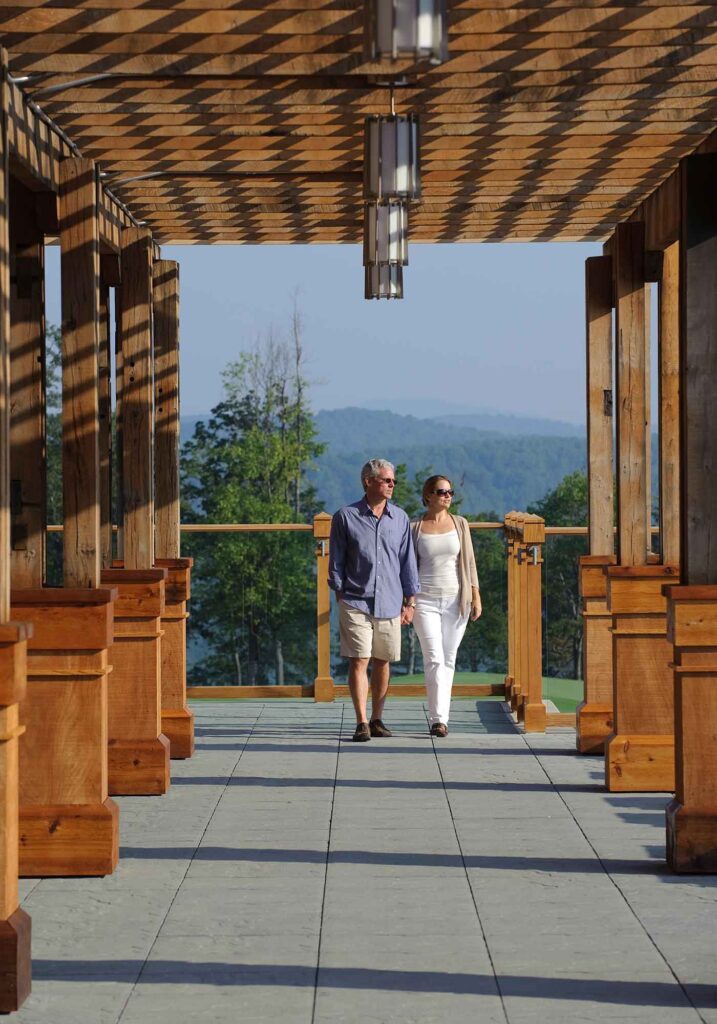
(440, 627)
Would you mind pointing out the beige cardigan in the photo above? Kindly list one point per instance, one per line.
(467, 572)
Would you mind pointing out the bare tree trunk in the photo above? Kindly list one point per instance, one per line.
(411, 650)
(298, 359)
(279, 651)
(237, 662)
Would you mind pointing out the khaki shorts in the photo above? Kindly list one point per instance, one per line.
(363, 636)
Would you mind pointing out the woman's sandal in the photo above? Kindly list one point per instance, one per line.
(439, 729)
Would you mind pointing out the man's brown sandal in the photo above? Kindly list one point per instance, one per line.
(378, 728)
(362, 734)
(439, 729)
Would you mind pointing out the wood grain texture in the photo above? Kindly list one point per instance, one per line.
(177, 719)
(594, 716)
(630, 404)
(639, 754)
(5, 375)
(63, 752)
(323, 683)
(669, 399)
(138, 752)
(698, 370)
(599, 360)
(80, 270)
(137, 399)
(27, 395)
(15, 960)
(692, 816)
(166, 403)
(105, 365)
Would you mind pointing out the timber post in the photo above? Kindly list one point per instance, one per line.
(532, 711)
(68, 824)
(510, 544)
(323, 683)
(639, 754)
(138, 750)
(594, 717)
(15, 925)
(177, 719)
(692, 614)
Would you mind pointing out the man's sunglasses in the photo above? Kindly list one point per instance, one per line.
(443, 491)
(387, 480)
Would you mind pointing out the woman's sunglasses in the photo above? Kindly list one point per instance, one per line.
(443, 491)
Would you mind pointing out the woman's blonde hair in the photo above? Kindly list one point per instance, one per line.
(430, 485)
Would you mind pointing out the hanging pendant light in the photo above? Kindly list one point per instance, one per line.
(391, 157)
(406, 28)
(384, 281)
(385, 235)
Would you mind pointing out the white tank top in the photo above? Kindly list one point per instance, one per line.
(438, 563)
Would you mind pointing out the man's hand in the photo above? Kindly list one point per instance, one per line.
(339, 596)
(407, 611)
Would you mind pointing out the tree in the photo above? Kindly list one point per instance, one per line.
(253, 603)
(565, 505)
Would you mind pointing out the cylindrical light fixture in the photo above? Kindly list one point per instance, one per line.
(385, 233)
(384, 281)
(391, 157)
(406, 28)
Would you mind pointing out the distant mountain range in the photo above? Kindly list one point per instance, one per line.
(497, 462)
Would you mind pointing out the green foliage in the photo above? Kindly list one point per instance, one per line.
(566, 505)
(253, 600)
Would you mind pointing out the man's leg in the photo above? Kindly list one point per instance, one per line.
(358, 685)
(380, 675)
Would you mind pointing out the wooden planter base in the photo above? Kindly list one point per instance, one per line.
(138, 751)
(692, 815)
(15, 969)
(177, 719)
(639, 755)
(15, 961)
(68, 826)
(594, 719)
(139, 767)
(59, 840)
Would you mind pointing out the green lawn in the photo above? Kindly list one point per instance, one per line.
(566, 694)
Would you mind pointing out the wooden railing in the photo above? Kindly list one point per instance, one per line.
(525, 537)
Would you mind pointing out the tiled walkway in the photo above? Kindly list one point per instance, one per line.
(290, 876)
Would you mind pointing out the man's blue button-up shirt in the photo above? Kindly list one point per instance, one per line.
(372, 561)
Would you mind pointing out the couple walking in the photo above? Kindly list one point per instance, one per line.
(388, 572)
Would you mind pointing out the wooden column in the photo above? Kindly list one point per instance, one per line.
(108, 276)
(323, 683)
(692, 815)
(139, 752)
(28, 472)
(594, 716)
(15, 967)
(669, 399)
(68, 825)
(137, 399)
(177, 719)
(640, 752)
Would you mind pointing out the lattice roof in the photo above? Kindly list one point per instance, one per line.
(241, 120)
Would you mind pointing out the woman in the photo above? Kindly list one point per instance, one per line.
(449, 594)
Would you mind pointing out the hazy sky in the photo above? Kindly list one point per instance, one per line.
(497, 327)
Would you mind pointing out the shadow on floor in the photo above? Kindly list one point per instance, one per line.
(608, 991)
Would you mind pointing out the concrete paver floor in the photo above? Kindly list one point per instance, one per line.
(290, 875)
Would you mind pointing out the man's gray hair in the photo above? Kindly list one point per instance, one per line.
(373, 468)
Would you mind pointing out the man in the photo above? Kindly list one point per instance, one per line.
(372, 568)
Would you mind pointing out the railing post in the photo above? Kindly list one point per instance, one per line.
(510, 573)
(533, 712)
(324, 683)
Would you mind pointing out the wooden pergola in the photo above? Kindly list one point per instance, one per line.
(130, 126)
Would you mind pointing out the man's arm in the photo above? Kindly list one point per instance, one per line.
(337, 554)
(409, 575)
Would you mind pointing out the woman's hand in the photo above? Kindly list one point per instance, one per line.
(476, 606)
